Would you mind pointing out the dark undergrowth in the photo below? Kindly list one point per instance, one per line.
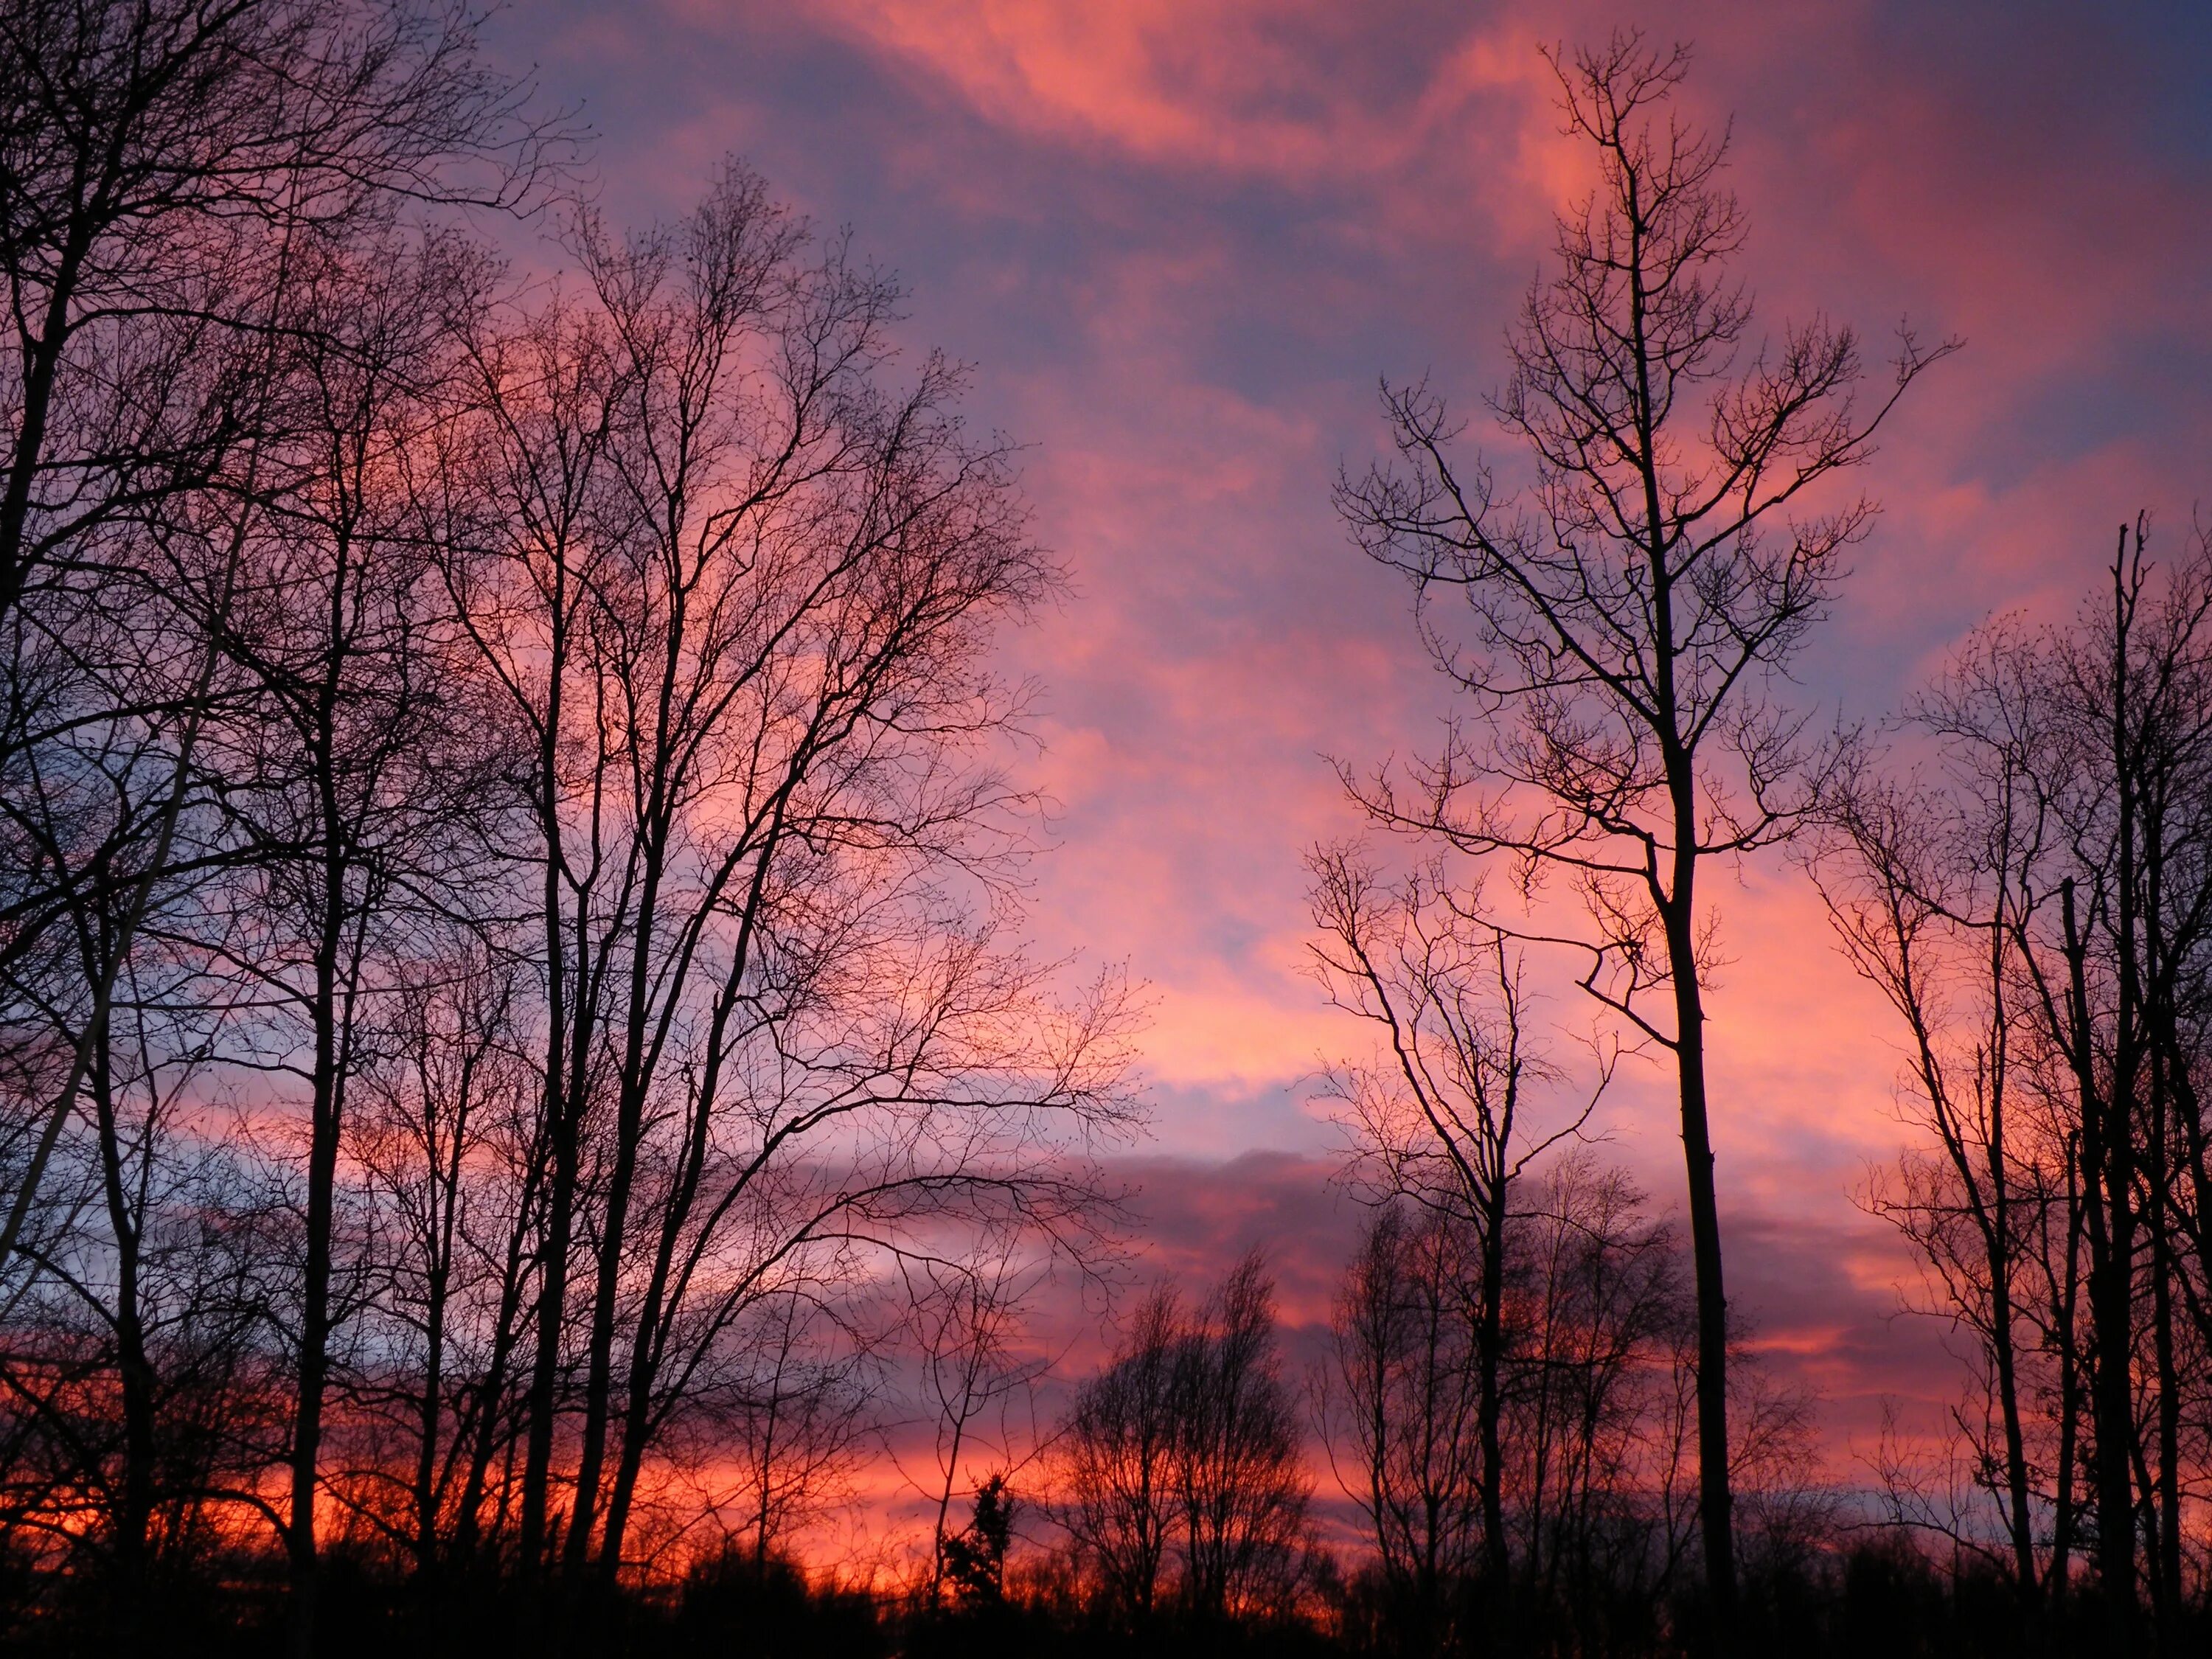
(1879, 1597)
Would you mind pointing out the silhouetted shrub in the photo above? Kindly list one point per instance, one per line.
(736, 1603)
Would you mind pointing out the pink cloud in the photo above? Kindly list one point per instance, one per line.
(1180, 241)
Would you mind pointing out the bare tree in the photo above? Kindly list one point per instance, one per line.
(164, 161)
(132, 1374)
(1597, 1487)
(1930, 900)
(1602, 1337)
(800, 1416)
(1184, 1453)
(169, 167)
(354, 771)
(1401, 1398)
(1443, 1115)
(440, 1142)
(736, 589)
(524, 557)
(1116, 1464)
(1618, 629)
(1242, 1491)
(975, 1380)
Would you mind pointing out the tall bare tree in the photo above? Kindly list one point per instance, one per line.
(1616, 628)
(163, 161)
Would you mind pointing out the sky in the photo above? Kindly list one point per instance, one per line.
(1178, 242)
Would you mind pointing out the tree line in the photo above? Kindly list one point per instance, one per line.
(520, 1077)
(510, 932)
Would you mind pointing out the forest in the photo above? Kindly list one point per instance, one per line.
(529, 1097)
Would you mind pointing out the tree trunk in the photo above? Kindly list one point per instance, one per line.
(1715, 1504)
(2112, 1405)
(315, 1279)
(1677, 908)
(1490, 1344)
(134, 1507)
(568, 1026)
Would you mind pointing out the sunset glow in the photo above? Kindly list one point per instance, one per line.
(704, 697)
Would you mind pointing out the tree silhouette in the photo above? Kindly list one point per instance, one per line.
(1616, 629)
